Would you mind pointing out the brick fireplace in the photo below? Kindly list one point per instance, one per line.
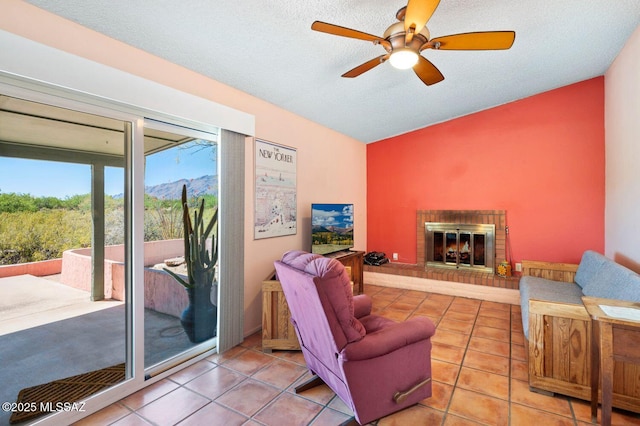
(468, 217)
(463, 275)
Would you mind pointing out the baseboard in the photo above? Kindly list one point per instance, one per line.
(252, 331)
(473, 291)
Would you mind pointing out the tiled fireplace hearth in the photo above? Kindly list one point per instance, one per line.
(461, 275)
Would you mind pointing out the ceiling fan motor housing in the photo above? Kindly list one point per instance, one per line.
(396, 35)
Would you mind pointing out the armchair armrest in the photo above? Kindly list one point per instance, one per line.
(390, 338)
(565, 272)
(558, 309)
(362, 304)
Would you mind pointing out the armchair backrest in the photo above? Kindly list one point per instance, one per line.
(319, 295)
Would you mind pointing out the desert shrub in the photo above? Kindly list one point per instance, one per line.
(114, 227)
(42, 235)
(163, 223)
(13, 203)
(163, 218)
(41, 228)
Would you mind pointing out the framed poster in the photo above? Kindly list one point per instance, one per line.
(275, 190)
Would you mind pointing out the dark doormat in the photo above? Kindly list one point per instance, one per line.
(60, 395)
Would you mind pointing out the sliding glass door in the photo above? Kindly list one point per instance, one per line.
(180, 300)
(94, 287)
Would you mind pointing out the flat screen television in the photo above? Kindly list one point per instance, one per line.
(331, 228)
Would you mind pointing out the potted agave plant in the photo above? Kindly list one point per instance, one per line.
(199, 319)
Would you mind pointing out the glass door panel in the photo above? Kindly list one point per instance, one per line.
(63, 287)
(438, 247)
(465, 248)
(179, 320)
(478, 249)
(451, 247)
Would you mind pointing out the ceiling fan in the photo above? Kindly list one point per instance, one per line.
(404, 40)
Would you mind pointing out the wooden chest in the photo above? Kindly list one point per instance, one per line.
(277, 330)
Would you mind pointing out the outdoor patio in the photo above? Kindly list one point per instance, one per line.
(50, 331)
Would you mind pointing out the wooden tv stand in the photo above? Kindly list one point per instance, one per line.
(355, 260)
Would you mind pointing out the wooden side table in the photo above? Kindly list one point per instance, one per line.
(615, 335)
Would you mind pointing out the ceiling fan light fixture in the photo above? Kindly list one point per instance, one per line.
(403, 59)
(403, 41)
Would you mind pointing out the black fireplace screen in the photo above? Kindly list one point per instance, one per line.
(460, 245)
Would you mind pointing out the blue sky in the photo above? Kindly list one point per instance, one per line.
(55, 179)
(340, 215)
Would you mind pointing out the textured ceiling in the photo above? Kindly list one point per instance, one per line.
(267, 49)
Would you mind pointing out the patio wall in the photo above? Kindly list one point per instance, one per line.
(37, 269)
(162, 292)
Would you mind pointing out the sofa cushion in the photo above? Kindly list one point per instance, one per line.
(589, 266)
(614, 281)
(548, 290)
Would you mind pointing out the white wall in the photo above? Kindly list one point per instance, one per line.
(622, 140)
(331, 166)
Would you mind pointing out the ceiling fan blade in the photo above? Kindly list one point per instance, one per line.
(366, 66)
(418, 14)
(348, 32)
(427, 72)
(489, 40)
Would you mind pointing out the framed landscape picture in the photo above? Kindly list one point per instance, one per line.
(275, 190)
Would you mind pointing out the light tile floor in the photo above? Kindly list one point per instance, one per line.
(478, 364)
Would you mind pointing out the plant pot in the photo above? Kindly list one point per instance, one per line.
(200, 319)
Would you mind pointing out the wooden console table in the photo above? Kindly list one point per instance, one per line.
(615, 337)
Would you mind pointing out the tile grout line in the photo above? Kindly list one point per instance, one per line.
(466, 348)
(510, 362)
(446, 409)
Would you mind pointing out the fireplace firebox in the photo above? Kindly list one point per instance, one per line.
(460, 246)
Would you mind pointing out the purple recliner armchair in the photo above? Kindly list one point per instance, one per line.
(375, 365)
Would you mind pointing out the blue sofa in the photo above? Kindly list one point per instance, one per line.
(557, 327)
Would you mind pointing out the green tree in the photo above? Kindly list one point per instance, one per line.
(13, 202)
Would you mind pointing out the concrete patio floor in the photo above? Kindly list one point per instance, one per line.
(27, 301)
(50, 331)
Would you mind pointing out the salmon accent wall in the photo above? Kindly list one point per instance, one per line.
(542, 159)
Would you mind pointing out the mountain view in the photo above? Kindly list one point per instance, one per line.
(42, 228)
(204, 185)
(333, 229)
(195, 188)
